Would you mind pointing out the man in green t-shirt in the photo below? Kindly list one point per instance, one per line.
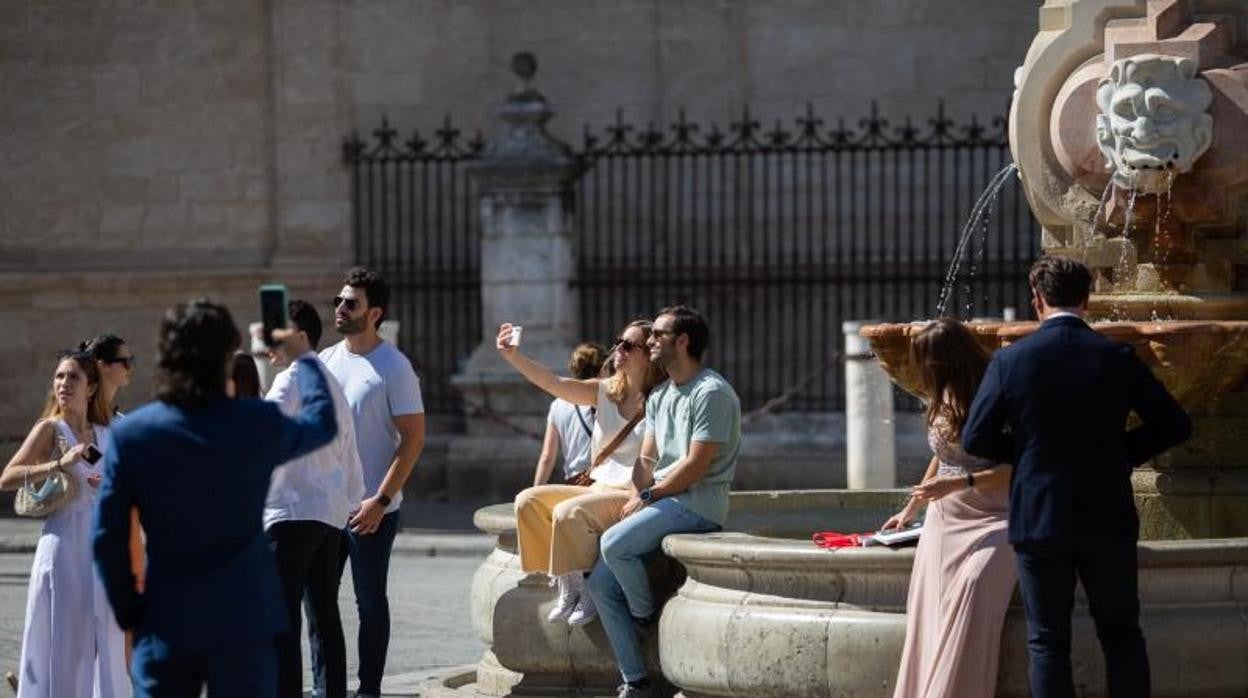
(680, 484)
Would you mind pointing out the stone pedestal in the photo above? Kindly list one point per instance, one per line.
(525, 179)
(870, 459)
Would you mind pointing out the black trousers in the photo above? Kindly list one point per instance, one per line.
(308, 563)
(1109, 572)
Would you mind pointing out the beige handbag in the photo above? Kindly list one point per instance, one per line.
(40, 499)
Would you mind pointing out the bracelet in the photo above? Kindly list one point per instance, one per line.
(381, 497)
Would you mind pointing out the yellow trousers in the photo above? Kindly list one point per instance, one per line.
(558, 526)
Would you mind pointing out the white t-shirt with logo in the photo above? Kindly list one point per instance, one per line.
(379, 386)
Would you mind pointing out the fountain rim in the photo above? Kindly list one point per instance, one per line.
(1019, 328)
(724, 549)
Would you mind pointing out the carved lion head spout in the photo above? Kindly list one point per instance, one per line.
(1152, 124)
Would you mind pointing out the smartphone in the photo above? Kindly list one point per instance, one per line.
(273, 311)
(91, 454)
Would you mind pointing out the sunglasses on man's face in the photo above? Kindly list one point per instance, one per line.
(349, 303)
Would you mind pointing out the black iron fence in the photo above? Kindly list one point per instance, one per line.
(414, 217)
(778, 233)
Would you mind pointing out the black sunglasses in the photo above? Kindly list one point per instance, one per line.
(128, 361)
(626, 345)
(350, 303)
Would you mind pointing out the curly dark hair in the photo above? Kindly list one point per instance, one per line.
(375, 288)
(196, 342)
(1061, 281)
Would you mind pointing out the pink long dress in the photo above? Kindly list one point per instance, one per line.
(960, 588)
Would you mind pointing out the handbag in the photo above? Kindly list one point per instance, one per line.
(41, 499)
(583, 478)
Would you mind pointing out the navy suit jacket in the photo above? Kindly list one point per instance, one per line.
(199, 478)
(1055, 404)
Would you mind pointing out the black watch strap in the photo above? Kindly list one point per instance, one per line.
(970, 479)
(381, 497)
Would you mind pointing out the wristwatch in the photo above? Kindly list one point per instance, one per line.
(381, 497)
(646, 496)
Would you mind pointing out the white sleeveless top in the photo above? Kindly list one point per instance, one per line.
(84, 495)
(617, 469)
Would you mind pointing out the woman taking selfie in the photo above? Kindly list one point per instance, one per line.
(963, 573)
(559, 525)
(70, 630)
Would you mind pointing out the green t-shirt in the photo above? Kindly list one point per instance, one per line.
(704, 409)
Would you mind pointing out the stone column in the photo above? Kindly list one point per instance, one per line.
(870, 444)
(526, 181)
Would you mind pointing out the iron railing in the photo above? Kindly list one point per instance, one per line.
(414, 217)
(778, 234)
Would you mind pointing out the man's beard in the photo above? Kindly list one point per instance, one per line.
(349, 326)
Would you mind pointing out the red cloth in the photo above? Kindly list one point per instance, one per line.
(832, 539)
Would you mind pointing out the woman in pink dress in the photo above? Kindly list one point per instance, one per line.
(963, 574)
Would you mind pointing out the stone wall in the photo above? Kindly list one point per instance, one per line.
(155, 151)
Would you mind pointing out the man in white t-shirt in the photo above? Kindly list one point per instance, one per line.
(310, 500)
(384, 394)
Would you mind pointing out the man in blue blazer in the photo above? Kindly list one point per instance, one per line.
(1055, 404)
(197, 466)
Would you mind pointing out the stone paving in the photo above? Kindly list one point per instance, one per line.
(430, 626)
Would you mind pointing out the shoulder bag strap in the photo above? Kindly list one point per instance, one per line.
(619, 439)
(581, 418)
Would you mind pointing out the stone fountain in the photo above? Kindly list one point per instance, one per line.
(1130, 130)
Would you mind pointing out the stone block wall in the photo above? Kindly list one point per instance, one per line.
(152, 152)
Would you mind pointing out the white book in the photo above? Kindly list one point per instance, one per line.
(906, 535)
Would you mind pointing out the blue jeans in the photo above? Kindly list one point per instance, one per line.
(619, 585)
(370, 571)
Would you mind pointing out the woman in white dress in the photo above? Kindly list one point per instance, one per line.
(71, 644)
(558, 526)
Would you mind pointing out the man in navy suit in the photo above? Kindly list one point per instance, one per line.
(197, 466)
(1055, 404)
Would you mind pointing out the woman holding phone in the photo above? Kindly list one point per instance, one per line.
(558, 526)
(71, 644)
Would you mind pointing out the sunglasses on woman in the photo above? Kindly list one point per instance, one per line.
(127, 361)
(626, 345)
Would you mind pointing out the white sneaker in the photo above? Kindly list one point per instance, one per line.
(584, 613)
(569, 594)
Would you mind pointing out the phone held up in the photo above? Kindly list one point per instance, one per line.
(91, 454)
(273, 314)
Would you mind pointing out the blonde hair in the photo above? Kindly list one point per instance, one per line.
(618, 384)
(99, 410)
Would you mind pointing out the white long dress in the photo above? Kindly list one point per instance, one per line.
(71, 645)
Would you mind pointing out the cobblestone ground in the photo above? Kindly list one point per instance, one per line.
(430, 625)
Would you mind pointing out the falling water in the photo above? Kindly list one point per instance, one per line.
(978, 218)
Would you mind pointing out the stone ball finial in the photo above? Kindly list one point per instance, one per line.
(524, 65)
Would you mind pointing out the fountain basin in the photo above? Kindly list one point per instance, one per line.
(763, 612)
(1196, 490)
(1196, 360)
